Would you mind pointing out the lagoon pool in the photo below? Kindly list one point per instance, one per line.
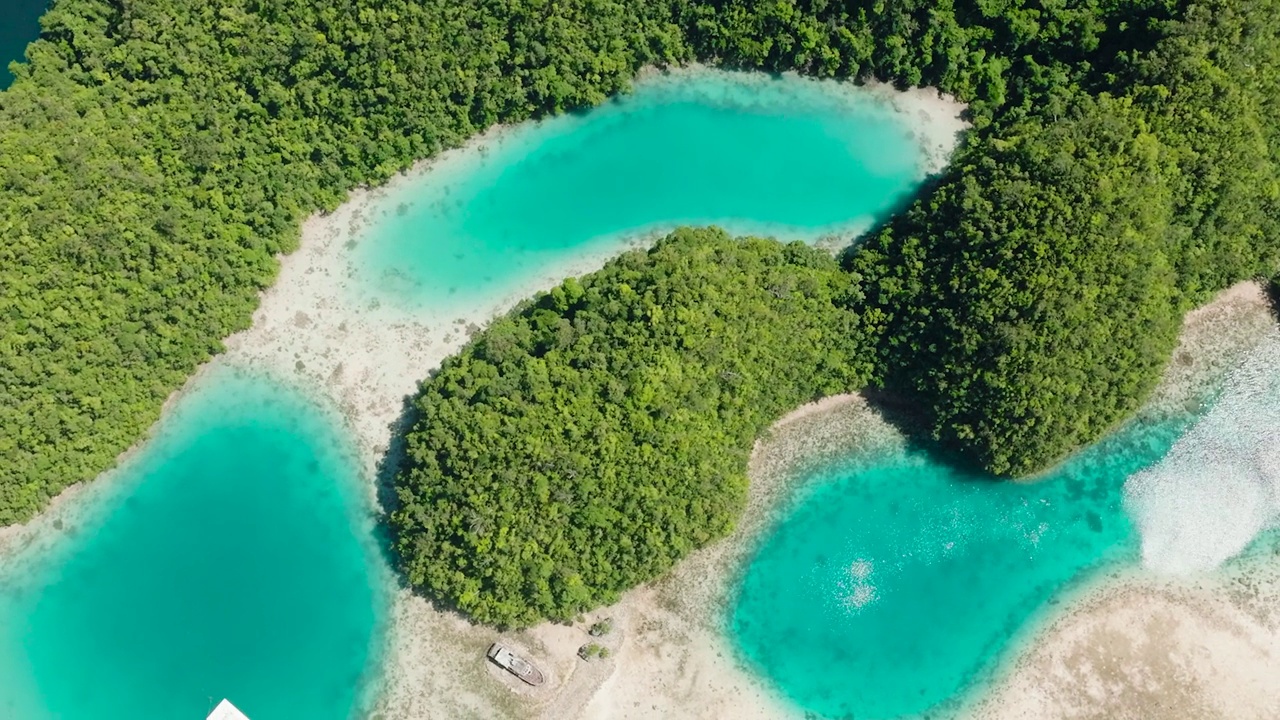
(232, 557)
(894, 587)
(755, 154)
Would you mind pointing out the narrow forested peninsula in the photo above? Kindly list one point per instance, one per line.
(1027, 301)
(603, 428)
(156, 155)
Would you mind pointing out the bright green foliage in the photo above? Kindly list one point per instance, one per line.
(600, 432)
(1211, 91)
(156, 155)
(1034, 297)
(984, 52)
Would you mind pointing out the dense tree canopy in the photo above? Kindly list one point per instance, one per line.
(599, 433)
(156, 154)
(1035, 295)
(1056, 318)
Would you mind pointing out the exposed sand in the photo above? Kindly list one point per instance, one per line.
(318, 328)
(1141, 646)
(937, 119)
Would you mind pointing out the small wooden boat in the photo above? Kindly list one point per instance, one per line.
(502, 656)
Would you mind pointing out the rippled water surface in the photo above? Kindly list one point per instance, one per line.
(894, 586)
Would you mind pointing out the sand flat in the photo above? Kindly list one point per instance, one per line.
(319, 328)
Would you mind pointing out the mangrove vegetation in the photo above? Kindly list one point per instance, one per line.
(156, 155)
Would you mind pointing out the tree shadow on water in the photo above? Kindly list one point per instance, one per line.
(389, 466)
(1272, 288)
(909, 416)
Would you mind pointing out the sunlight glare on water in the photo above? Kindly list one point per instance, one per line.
(896, 584)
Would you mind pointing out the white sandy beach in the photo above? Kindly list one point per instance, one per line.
(1131, 646)
(1220, 641)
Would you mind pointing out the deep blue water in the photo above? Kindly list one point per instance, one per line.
(19, 25)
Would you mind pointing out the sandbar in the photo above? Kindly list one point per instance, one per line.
(317, 328)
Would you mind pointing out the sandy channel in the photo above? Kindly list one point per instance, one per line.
(667, 655)
(318, 329)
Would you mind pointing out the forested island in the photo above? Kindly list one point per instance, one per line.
(156, 156)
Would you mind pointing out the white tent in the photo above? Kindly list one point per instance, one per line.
(226, 711)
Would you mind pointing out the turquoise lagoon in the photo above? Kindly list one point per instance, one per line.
(755, 154)
(894, 587)
(232, 557)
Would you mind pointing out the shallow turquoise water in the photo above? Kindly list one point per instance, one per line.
(232, 559)
(20, 25)
(775, 156)
(894, 586)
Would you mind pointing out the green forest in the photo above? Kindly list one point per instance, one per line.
(587, 441)
(155, 156)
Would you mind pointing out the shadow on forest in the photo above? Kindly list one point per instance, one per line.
(389, 466)
(908, 416)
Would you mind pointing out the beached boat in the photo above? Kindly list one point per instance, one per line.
(502, 656)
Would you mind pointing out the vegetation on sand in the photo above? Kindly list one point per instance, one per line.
(600, 432)
(155, 155)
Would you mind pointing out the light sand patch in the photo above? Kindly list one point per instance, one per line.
(935, 118)
(1148, 648)
(318, 327)
(1215, 337)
